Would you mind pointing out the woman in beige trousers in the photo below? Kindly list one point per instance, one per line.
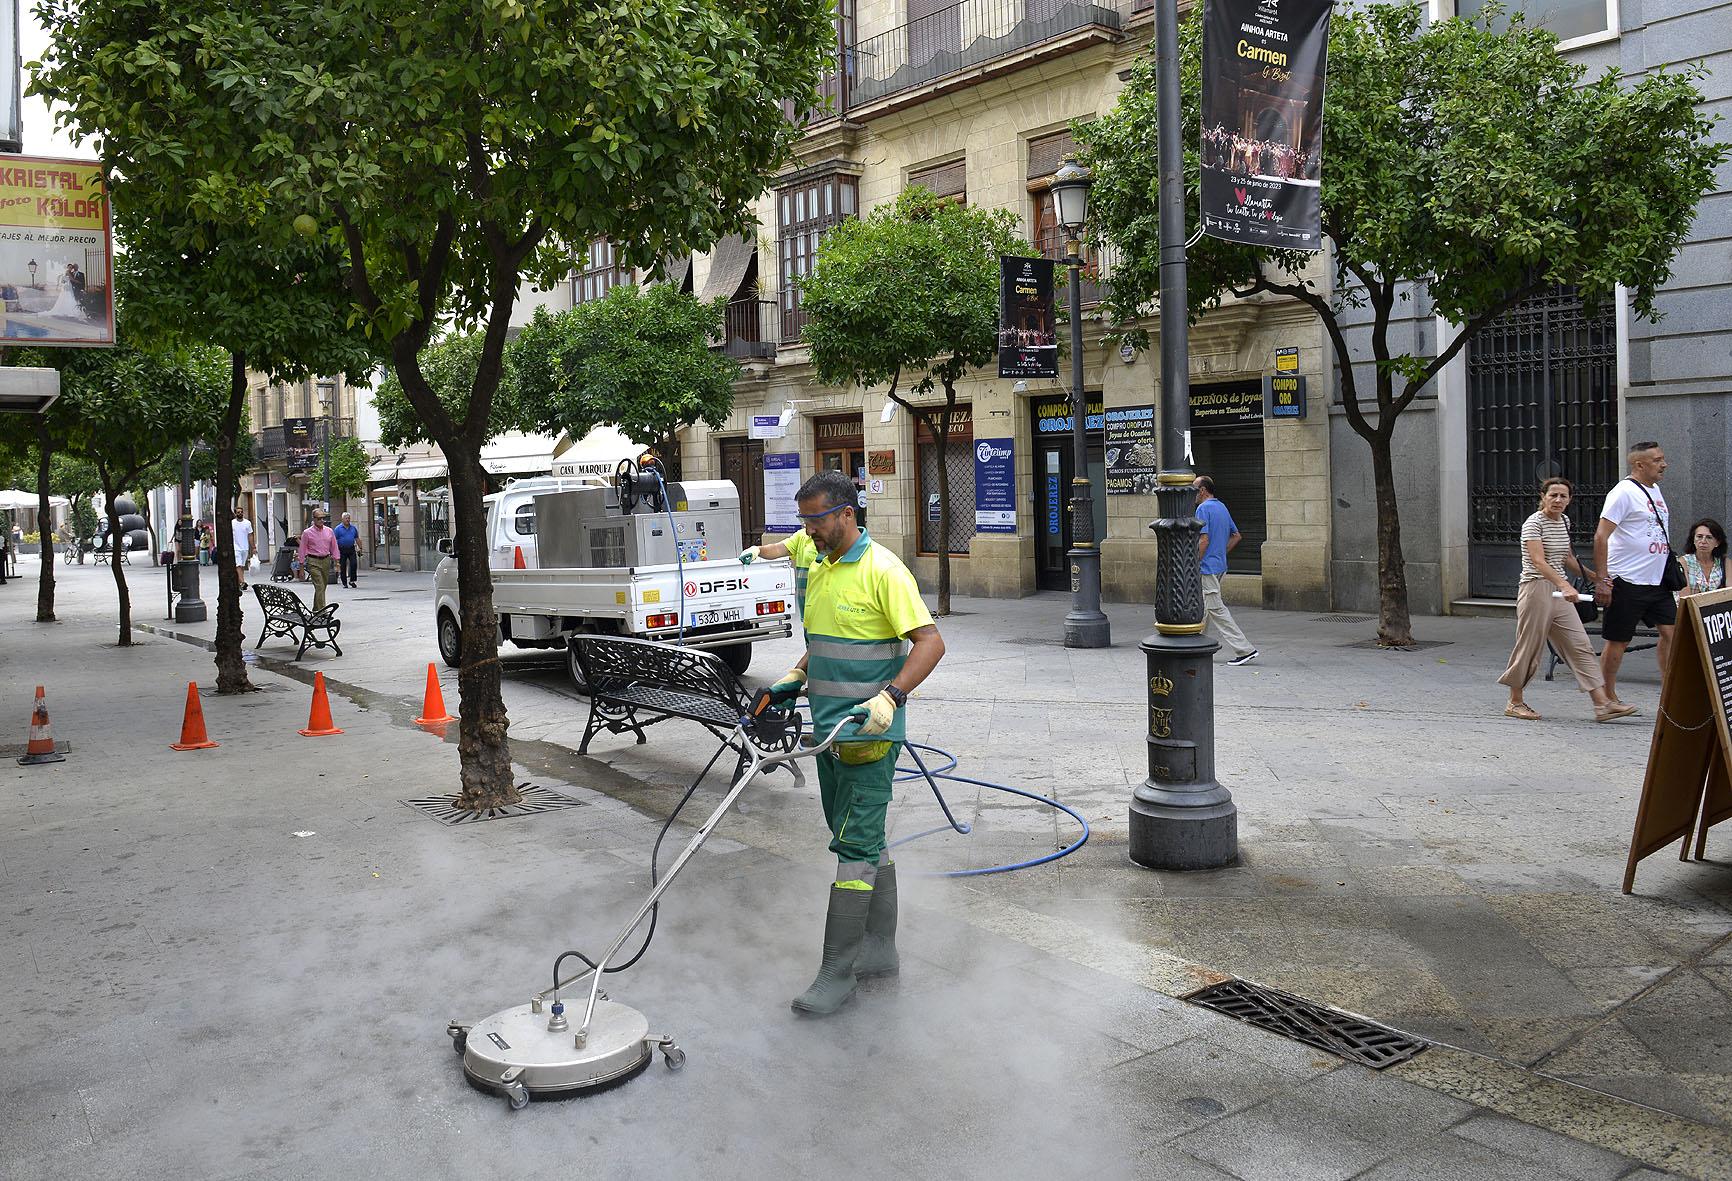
(1546, 610)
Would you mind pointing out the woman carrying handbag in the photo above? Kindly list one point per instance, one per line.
(1546, 610)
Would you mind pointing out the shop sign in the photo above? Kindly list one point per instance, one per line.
(1130, 450)
(767, 426)
(1287, 360)
(781, 484)
(1027, 321)
(56, 252)
(840, 432)
(299, 451)
(881, 463)
(1052, 415)
(995, 486)
(1226, 404)
(1286, 395)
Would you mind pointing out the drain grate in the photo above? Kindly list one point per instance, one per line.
(536, 801)
(1416, 646)
(1344, 619)
(1342, 1034)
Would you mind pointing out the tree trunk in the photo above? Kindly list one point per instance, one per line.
(231, 669)
(483, 750)
(941, 444)
(1395, 624)
(44, 526)
(116, 547)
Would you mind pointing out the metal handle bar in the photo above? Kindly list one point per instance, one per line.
(757, 763)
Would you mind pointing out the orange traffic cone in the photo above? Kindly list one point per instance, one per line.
(192, 735)
(41, 748)
(319, 721)
(517, 559)
(433, 702)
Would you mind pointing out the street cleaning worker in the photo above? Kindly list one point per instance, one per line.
(861, 604)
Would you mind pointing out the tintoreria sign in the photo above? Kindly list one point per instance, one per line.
(1262, 134)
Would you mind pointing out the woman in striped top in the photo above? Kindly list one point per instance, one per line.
(1546, 610)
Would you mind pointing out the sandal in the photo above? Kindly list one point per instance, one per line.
(1522, 710)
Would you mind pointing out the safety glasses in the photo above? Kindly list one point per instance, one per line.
(820, 516)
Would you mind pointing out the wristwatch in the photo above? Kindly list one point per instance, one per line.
(896, 695)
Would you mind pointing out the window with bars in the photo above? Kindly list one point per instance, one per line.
(805, 212)
(959, 461)
(949, 179)
(1045, 155)
(602, 272)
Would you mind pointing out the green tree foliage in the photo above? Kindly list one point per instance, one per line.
(907, 297)
(348, 467)
(1481, 164)
(453, 149)
(637, 359)
(448, 365)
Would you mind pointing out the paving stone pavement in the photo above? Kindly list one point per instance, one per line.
(207, 994)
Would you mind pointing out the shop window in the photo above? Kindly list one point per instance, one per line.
(805, 213)
(1570, 20)
(959, 459)
(1045, 155)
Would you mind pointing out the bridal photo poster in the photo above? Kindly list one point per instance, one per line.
(56, 252)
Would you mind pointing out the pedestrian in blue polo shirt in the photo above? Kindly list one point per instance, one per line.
(1219, 537)
(348, 550)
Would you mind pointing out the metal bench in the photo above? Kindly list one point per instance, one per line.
(637, 683)
(1593, 630)
(286, 615)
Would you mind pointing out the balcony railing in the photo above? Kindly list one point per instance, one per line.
(963, 36)
(748, 329)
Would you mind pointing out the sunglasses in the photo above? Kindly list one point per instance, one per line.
(820, 516)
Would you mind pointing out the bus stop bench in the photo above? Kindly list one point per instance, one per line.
(286, 615)
(637, 683)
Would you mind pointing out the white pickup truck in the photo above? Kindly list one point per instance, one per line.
(725, 605)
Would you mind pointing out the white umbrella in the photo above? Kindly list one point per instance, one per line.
(16, 498)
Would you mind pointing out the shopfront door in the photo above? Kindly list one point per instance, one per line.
(743, 464)
(842, 448)
(387, 549)
(1054, 468)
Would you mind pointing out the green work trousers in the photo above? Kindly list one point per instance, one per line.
(856, 797)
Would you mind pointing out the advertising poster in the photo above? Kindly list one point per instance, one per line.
(1027, 323)
(994, 486)
(1130, 451)
(1052, 415)
(767, 426)
(1285, 394)
(781, 485)
(1227, 403)
(1262, 133)
(300, 449)
(56, 255)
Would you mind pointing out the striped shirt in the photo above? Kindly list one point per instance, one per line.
(1553, 536)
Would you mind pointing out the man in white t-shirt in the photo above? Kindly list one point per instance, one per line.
(1631, 549)
(243, 531)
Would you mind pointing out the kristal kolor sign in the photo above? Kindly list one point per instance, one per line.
(1027, 325)
(56, 254)
(1262, 141)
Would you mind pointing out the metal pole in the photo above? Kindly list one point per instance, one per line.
(1181, 818)
(1085, 626)
(327, 449)
(190, 608)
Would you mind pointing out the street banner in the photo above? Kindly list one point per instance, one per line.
(781, 484)
(1130, 450)
(56, 252)
(995, 486)
(1262, 133)
(300, 452)
(1027, 323)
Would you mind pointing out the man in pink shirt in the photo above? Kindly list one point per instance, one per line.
(319, 555)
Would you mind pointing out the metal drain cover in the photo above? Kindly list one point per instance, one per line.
(1416, 646)
(1344, 619)
(536, 800)
(1342, 1034)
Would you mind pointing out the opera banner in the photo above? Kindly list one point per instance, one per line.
(1027, 323)
(56, 253)
(1262, 134)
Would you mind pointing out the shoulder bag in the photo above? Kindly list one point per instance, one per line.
(1673, 579)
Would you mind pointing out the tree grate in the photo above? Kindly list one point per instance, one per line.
(1344, 619)
(1416, 646)
(1341, 1034)
(536, 801)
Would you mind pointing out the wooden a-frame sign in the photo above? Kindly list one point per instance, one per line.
(1689, 759)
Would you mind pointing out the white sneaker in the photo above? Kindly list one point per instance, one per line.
(1245, 659)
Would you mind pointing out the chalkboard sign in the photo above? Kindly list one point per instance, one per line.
(1691, 752)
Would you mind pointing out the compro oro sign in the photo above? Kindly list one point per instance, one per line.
(56, 252)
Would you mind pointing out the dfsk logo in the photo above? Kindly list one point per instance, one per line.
(693, 589)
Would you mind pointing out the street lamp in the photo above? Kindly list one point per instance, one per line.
(33, 272)
(189, 608)
(1085, 626)
(1181, 818)
(325, 438)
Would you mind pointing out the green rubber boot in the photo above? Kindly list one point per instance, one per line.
(844, 928)
(878, 950)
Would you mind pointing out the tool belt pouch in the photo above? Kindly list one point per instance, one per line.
(856, 754)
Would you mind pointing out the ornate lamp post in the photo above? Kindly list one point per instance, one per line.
(1085, 626)
(189, 608)
(1181, 818)
(33, 272)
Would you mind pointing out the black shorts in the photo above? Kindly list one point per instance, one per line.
(1632, 604)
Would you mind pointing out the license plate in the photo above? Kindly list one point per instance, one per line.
(706, 618)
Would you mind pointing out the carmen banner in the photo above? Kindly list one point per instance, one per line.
(1262, 134)
(56, 254)
(1027, 323)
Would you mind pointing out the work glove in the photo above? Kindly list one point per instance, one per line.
(748, 556)
(875, 713)
(788, 686)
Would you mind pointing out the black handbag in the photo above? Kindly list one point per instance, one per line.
(1673, 579)
(1585, 606)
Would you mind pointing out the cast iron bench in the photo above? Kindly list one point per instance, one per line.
(637, 683)
(286, 615)
(1593, 630)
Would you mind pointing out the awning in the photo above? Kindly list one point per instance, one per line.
(596, 454)
(423, 469)
(729, 260)
(518, 454)
(382, 469)
(675, 268)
